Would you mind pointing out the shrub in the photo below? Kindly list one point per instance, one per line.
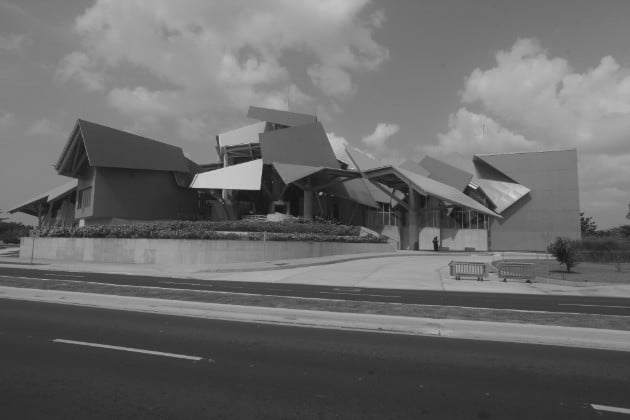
(564, 252)
(241, 229)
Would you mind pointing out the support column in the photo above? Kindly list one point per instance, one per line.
(412, 220)
(225, 194)
(308, 201)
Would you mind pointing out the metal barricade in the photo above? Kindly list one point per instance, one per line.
(469, 269)
(509, 270)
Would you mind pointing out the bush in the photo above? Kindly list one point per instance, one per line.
(604, 249)
(564, 252)
(240, 229)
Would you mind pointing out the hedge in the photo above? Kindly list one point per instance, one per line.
(254, 230)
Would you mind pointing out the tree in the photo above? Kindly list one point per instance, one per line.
(564, 253)
(587, 225)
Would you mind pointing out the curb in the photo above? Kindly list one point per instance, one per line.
(601, 339)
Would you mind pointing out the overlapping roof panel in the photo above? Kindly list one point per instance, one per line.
(303, 145)
(425, 185)
(277, 116)
(242, 135)
(44, 198)
(445, 173)
(502, 194)
(244, 176)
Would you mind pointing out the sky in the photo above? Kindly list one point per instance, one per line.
(399, 79)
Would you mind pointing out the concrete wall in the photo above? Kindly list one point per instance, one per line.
(454, 239)
(176, 251)
(460, 239)
(551, 209)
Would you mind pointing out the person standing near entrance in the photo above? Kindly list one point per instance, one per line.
(435, 243)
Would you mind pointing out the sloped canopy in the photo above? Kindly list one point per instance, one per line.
(31, 206)
(101, 146)
(277, 116)
(244, 176)
(402, 179)
(445, 173)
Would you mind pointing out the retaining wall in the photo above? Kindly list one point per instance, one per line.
(185, 251)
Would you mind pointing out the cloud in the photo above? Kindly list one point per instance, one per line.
(44, 127)
(530, 100)
(7, 119)
(81, 67)
(199, 56)
(339, 144)
(382, 132)
(193, 129)
(13, 42)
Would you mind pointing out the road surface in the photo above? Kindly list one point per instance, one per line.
(67, 362)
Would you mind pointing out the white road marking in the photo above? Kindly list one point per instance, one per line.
(357, 294)
(62, 275)
(130, 349)
(593, 306)
(612, 409)
(179, 282)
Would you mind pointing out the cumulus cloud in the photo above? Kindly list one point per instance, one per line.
(44, 127)
(7, 119)
(381, 134)
(530, 100)
(81, 67)
(211, 55)
(13, 42)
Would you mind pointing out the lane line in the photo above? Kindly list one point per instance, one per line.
(358, 294)
(62, 275)
(179, 282)
(593, 306)
(129, 349)
(610, 408)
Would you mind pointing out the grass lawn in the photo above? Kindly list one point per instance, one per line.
(583, 272)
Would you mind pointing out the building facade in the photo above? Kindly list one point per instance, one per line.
(283, 166)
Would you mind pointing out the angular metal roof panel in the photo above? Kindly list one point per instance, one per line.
(355, 190)
(46, 197)
(445, 173)
(111, 148)
(277, 116)
(291, 173)
(244, 176)
(362, 161)
(303, 145)
(414, 167)
(242, 135)
(502, 194)
(429, 186)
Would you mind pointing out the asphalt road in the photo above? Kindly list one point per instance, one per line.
(50, 369)
(551, 303)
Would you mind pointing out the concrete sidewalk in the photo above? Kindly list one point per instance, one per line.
(399, 270)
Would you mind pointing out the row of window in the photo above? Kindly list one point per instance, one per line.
(84, 198)
(454, 219)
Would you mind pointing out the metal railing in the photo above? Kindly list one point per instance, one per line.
(511, 270)
(468, 269)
